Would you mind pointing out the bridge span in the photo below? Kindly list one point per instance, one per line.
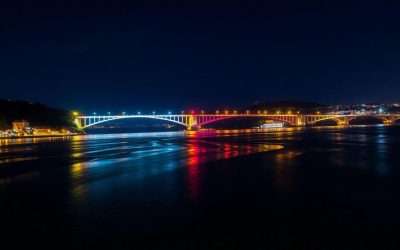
(195, 121)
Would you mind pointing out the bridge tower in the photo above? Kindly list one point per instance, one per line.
(191, 122)
(78, 122)
(300, 120)
(344, 121)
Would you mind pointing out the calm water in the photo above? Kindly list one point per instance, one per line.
(330, 188)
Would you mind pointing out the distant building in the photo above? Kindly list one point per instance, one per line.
(20, 126)
(42, 130)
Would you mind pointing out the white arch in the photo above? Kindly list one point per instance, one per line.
(127, 117)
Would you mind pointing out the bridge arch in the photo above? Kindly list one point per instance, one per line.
(221, 118)
(332, 118)
(91, 124)
(380, 118)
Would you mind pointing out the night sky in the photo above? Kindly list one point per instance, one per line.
(163, 56)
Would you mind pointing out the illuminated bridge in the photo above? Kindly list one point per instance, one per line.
(195, 121)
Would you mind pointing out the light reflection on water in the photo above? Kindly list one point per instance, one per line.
(137, 156)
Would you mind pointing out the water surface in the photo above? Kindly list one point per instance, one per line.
(328, 188)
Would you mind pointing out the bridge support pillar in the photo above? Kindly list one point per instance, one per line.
(343, 122)
(191, 123)
(389, 122)
(301, 120)
(78, 122)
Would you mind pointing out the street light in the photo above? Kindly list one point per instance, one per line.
(169, 112)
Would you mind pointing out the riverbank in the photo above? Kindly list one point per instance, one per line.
(36, 136)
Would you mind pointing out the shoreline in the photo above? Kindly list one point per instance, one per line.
(35, 136)
(205, 130)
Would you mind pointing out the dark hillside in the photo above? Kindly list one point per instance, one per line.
(35, 113)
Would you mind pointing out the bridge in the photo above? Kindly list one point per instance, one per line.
(196, 121)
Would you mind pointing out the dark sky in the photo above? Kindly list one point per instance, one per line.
(144, 56)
